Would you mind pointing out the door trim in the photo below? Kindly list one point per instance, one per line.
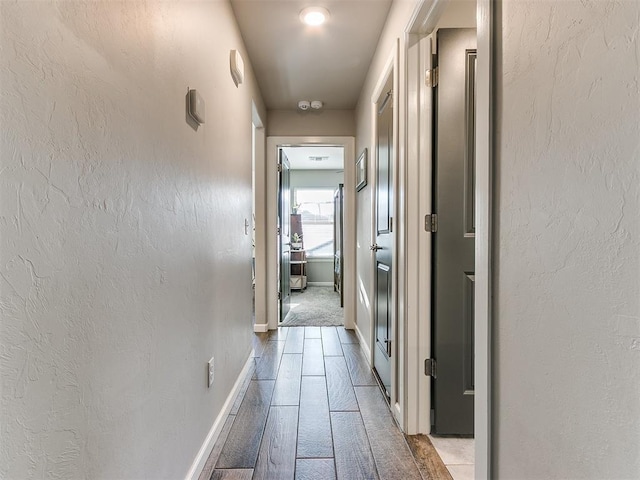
(419, 204)
(484, 225)
(269, 207)
(259, 159)
(422, 23)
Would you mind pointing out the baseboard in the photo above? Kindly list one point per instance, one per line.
(320, 284)
(364, 345)
(216, 428)
(260, 327)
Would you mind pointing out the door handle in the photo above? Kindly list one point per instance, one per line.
(375, 247)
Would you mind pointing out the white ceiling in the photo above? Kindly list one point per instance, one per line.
(299, 158)
(295, 62)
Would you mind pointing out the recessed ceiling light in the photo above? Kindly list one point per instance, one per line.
(314, 16)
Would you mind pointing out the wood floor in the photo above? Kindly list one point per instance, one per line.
(311, 409)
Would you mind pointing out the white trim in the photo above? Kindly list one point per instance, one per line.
(418, 271)
(205, 450)
(260, 234)
(363, 346)
(260, 327)
(484, 192)
(269, 206)
(320, 284)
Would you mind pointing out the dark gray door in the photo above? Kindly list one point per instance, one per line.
(454, 241)
(383, 328)
(284, 226)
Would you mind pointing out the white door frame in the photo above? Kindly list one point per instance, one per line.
(418, 402)
(269, 207)
(259, 145)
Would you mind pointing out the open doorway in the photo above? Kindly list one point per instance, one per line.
(442, 198)
(315, 271)
(273, 239)
(255, 225)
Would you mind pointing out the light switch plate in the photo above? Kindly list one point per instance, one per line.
(196, 106)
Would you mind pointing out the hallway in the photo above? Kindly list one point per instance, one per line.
(310, 408)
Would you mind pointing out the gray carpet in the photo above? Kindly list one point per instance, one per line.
(315, 307)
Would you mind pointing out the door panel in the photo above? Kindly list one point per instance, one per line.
(383, 246)
(284, 224)
(454, 241)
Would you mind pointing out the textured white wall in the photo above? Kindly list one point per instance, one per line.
(567, 379)
(397, 20)
(290, 123)
(316, 179)
(123, 261)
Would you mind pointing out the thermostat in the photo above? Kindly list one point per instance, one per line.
(196, 106)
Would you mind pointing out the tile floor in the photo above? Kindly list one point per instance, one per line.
(457, 455)
(311, 409)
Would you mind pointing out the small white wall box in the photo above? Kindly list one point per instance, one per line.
(237, 67)
(196, 106)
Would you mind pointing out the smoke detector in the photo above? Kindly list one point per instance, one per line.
(316, 104)
(304, 104)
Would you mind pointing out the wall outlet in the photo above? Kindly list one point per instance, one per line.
(210, 384)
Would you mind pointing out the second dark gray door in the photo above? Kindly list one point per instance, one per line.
(383, 246)
(454, 241)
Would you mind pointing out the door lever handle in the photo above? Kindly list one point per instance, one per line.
(375, 247)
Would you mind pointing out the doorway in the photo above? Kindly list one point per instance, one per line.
(422, 201)
(256, 223)
(316, 176)
(274, 145)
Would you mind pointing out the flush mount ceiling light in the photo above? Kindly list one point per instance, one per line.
(314, 16)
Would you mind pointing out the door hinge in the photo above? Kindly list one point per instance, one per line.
(431, 77)
(431, 222)
(279, 296)
(391, 224)
(277, 230)
(279, 168)
(430, 367)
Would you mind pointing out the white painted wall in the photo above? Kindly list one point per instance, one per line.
(324, 122)
(316, 179)
(398, 19)
(124, 265)
(567, 249)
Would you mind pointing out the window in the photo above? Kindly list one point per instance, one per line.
(316, 208)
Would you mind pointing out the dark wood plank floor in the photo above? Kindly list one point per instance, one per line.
(310, 408)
